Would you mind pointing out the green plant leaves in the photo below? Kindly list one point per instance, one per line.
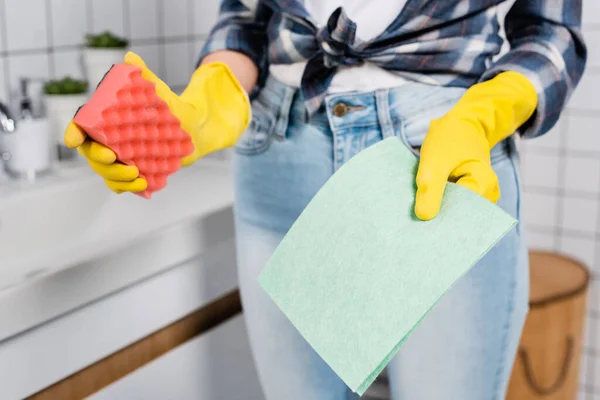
(66, 85)
(106, 40)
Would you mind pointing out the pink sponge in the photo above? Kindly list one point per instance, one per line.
(126, 115)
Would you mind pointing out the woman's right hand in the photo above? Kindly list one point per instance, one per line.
(214, 110)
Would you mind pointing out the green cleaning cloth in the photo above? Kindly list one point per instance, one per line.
(358, 271)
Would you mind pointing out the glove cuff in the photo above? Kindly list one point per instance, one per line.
(498, 106)
(198, 89)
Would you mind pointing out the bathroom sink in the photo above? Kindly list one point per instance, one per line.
(38, 218)
(71, 217)
(45, 216)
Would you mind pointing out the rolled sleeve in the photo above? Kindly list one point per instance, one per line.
(548, 48)
(241, 27)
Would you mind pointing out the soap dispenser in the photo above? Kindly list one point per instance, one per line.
(25, 103)
(26, 150)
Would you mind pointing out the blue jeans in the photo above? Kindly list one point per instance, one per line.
(464, 349)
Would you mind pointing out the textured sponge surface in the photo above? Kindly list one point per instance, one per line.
(126, 115)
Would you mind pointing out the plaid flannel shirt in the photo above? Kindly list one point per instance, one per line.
(450, 43)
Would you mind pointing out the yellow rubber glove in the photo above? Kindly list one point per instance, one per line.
(457, 145)
(214, 110)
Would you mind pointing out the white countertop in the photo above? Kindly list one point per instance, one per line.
(84, 272)
(70, 217)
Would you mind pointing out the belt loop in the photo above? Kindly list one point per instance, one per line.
(384, 116)
(285, 110)
(383, 113)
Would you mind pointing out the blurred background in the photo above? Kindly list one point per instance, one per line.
(86, 276)
(561, 182)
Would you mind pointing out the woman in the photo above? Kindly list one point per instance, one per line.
(330, 78)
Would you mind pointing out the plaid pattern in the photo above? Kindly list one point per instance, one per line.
(449, 43)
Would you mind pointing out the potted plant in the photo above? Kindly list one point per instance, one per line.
(62, 98)
(100, 53)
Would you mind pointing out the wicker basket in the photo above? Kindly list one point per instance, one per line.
(547, 365)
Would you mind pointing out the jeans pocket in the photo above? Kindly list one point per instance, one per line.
(433, 104)
(259, 135)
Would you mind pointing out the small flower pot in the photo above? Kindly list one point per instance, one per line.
(60, 109)
(98, 61)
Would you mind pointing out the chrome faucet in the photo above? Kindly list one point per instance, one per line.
(7, 123)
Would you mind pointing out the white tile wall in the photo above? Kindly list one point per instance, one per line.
(151, 55)
(591, 14)
(582, 134)
(2, 31)
(579, 215)
(143, 16)
(539, 210)
(551, 140)
(69, 62)
(175, 17)
(3, 89)
(68, 19)
(26, 24)
(582, 248)
(582, 174)
(179, 69)
(586, 96)
(541, 240)
(44, 37)
(205, 13)
(593, 40)
(196, 47)
(541, 170)
(108, 15)
(563, 212)
(34, 65)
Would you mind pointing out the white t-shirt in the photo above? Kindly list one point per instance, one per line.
(371, 18)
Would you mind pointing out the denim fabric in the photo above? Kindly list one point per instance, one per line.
(465, 347)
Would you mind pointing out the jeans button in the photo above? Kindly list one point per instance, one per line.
(340, 109)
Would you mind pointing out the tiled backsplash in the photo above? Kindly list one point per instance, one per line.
(561, 171)
(42, 38)
(561, 179)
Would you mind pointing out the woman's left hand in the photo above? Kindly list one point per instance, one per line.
(457, 146)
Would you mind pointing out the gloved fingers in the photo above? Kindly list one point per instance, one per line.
(97, 152)
(431, 183)
(138, 185)
(74, 136)
(189, 160)
(478, 177)
(116, 171)
(132, 58)
(162, 89)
